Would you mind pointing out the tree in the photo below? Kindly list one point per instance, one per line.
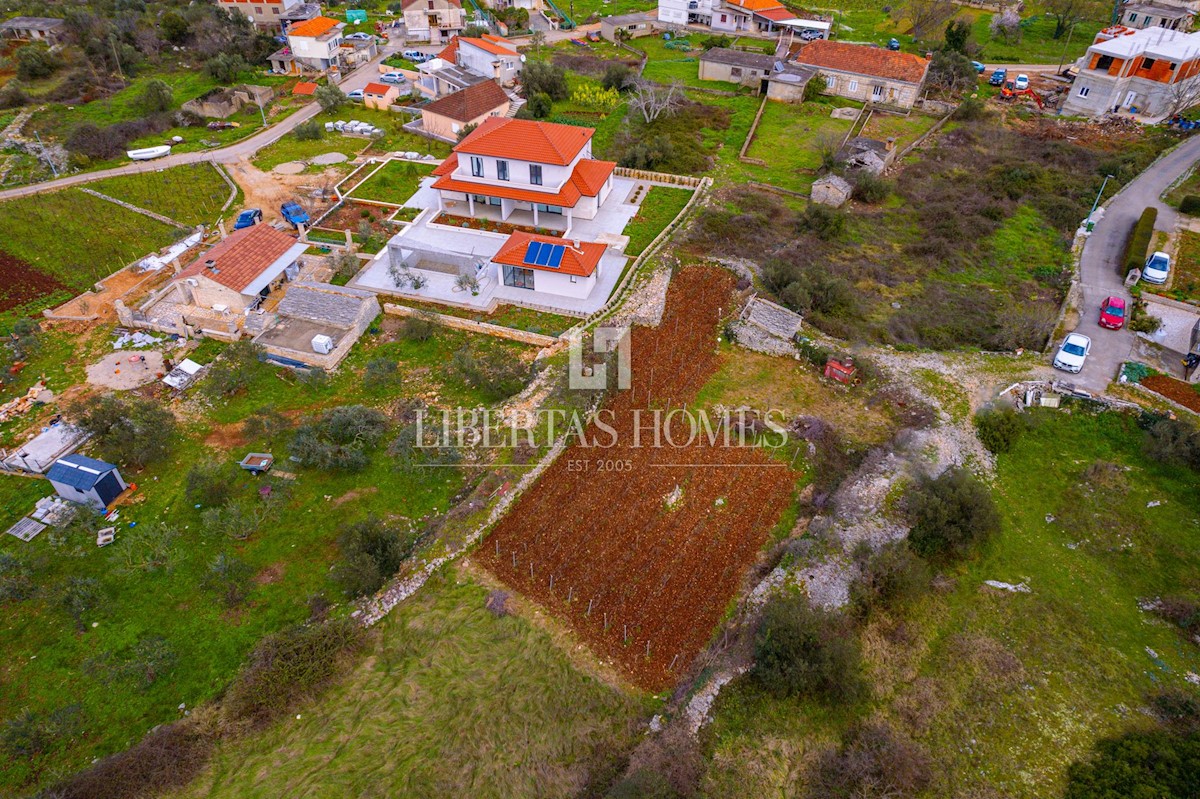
(467, 130)
(926, 16)
(35, 61)
(653, 100)
(952, 71)
(1007, 25)
(538, 40)
(951, 514)
(209, 483)
(234, 370)
(958, 36)
(78, 595)
(814, 88)
(371, 552)
(156, 97)
(617, 77)
(265, 424)
(806, 651)
(225, 67)
(174, 27)
(127, 430)
(890, 576)
(1182, 95)
(540, 105)
(330, 97)
(999, 428)
(1069, 13)
(538, 77)
(1151, 764)
(872, 761)
(339, 438)
(474, 31)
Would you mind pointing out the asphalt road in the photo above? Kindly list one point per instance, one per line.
(1098, 267)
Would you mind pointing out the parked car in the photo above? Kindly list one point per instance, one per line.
(248, 218)
(998, 77)
(979, 68)
(1112, 313)
(1157, 268)
(1073, 353)
(893, 44)
(392, 77)
(360, 37)
(1022, 82)
(293, 214)
(356, 95)
(809, 35)
(415, 56)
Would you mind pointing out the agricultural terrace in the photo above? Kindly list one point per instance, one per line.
(193, 194)
(656, 210)
(1093, 526)
(157, 623)
(647, 586)
(294, 148)
(394, 183)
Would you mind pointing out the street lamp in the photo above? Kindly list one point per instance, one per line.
(1089, 224)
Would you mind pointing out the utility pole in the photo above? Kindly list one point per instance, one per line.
(49, 160)
(1089, 224)
(1067, 46)
(113, 43)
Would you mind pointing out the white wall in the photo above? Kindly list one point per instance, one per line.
(480, 61)
(557, 284)
(309, 47)
(553, 175)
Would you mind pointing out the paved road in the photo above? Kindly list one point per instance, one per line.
(246, 148)
(1098, 268)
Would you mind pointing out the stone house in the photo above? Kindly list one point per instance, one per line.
(633, 25)
(832, 190)
(763, 73)
(434, 21)
(868, 74)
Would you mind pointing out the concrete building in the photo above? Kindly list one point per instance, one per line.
(267, 14)
(869, 74)
(313, 46)
(434, 21)
(40, 452)
(86, 481)
(380, 96)
(439, 77)
(316, 324)
(486, 55)
(33, 29)
(548, 265)
(632, 25)
(1172, 14)
(1149, 71)
(763, 17)
(447, 116)
(763, 73)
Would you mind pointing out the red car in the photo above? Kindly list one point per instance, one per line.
(1112, 313)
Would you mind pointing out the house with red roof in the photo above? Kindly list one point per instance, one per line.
(314, 45)
(380, 95)
(869, 74)
(764, 17)
(548, 264)
(447, 116)
(240, 270)
(489, 56)
(433, 21)
(542, 172)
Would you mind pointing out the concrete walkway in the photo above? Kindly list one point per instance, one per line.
(246, 148)
(1098, 267)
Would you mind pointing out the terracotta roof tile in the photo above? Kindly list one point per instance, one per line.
(450, 51)
(304, 87)
(242, 256)
(586, 181)
(589, 176)
(756, 5)
(317, 26)
(447, 166)
(544, 142)
(581, 262)
(862, 60)
(470, 103)
(491, 44)
(377, 88)
(780, 14)
(407, 4)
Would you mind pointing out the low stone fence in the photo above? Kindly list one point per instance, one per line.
(658, 177)
(470, 325)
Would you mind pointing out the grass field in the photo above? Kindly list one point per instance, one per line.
(658, 209)
(394, 183)
(451, 701)
(1185, 274)
(78, 238)
(192, 194)
(1030, 680)
(667, 64)
(289, 148)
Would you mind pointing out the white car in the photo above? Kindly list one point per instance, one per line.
(1022, 82)
(360, 37)
(394, 78)
(1157, 268)
(355, 95)
(1073, 353)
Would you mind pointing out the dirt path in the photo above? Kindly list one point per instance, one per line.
(269, 190)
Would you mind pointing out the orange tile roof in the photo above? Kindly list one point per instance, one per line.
(377, 88)
(242, 256)
(304, 87)
(496, 47)
(589, 176)
(470, 103)
(407, 4)
(586, 181)
(317, 26)
(862, 60)
(450, 51)
(447, 166)
(756, 5)
(581, 262)
(780, 14)
(528, 140)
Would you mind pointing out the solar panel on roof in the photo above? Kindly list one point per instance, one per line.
(556, 256)
(543, 257)
(532, 251)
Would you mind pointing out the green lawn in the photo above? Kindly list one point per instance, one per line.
(289, 148)
(658, 209)
(1185, 277)
(394, 183)
(450, 701)
(192, 194)
(78, 238)
(583, 10)
(666, 64)
(1030, 680)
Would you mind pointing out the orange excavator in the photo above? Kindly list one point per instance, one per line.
(1009, 92)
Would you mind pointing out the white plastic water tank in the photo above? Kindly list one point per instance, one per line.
(322, 343)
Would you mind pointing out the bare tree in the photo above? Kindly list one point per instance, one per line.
(653, 100)
(1068, 13)
(926, 16)
(1182, 95)
(538, 40)
(1007, 25)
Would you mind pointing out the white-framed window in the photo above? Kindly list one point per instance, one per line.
(502, 170)
(830, 81)
(853, 86)
(877, 92)
(1084, 91)
(476, 166)
(1133, 17)
(535, 174)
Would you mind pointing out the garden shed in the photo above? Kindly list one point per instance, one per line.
(86, 480)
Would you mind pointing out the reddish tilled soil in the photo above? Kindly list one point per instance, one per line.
(22, 283)
(599, 522)
(1183, 393)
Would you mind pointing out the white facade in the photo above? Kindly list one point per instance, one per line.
(504, 68)
(547, 282)
(317, 48)
(519, 174)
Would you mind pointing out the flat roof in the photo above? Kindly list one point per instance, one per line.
(31, 23)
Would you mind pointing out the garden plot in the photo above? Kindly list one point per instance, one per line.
(645, 586)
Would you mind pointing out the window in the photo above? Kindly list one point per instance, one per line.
(735, 72)
(830, 81)
(535, 174)
(502, 170)
(1084, 91)
(876, 92)
(258, 10)
(1104, 62)
(1133, 17)
(518, 277)
(1147, 63)
(853, 85)
(476, 166)
(724, 18)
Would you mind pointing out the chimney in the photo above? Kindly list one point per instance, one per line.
(221, 227)
(575, 244)
(175, 266)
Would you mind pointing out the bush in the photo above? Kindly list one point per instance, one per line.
(288, 665)
(12, 95)
(168, 758)
(616, 77)
(265, 424)
(1190, 204)
(209, 483)
(1173, 441)
(1184, 613)
(494, 372)
(540, 105)
(235, 369)
(1138, 245)
(31, 733)
(237, 520)
(339, 438)
(999, 428)
(806, 651)
(16, 579)
(228, 577)
(78, 595)
(371, 553)
(889, 577)
(868, 188)
(542, 78)
(970, 109)
(872, 761)
(35, 61)
(127, 430)
(642, 784)
(330, 97)
(1139, 764)
(225, 67)
(312, 130)
(381, 373)
(419, 327)
(156, 97)
(1178, 709)
(951, 514)
(142, 664)
(649, 153)
(822, 221)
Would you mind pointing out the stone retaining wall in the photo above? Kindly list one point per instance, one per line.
(470, 325)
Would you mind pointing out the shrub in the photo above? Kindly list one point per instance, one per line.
(889, 577)
(1139, 241)
(807, 651)
(870, 188)
(234, 370)
(288, 665)
(951, 514)
(209, 483)
(1184, 613)
(970, 109)
(822, 221)
(228, 577)
(78, 595)
(642, 784)
(35, 61)
(12, 95)
(312, 130)
(540, 105)
(16, 578)
(1150, 764)
(814, 88)
(265, 424)
(616, 77)
(494, 372)
(371, 553)
(237, 520)
(1178, 709)
(225, 67)
(381, 373)
(872, 761)
(1173, 441)
(339, 438)
(330, 97)
(127, 430)
(1190, 205)
(419, 327)
(542, 78)
(649, 153)
(156, 97)
(31, 733)
(999, 428)
(142, 664)
(168, 758)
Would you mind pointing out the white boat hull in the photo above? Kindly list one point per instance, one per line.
(148, 153)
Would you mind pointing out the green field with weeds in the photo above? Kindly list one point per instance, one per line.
(394, 183)
(193, 194)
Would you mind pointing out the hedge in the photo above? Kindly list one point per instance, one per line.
(1139, 242)
(1190, 205)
